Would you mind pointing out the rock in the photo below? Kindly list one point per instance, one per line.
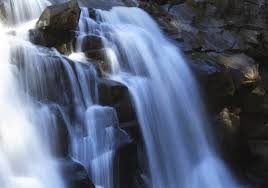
(60, 17)
(3, 15)
(228, 134)
(99, 54)
(126, 158)
(218, 42)
(106, 4)
(242, 67)
(183, 13)
(75, 174)
(56, 26)
(117, 95)
(92, 42)
(62, 134)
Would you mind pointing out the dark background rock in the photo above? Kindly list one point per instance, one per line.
(74, 174)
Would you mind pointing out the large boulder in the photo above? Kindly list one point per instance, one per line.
(56, 26)
(60, 17)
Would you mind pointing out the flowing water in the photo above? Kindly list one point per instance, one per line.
(50, 108)
(25, 127)
(168, 106)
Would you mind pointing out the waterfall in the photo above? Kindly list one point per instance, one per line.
(169, 109)
(50, 110)
(27, 129)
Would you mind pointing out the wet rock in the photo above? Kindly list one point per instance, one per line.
(99, 54)
(91, 42)
(62, 134)
(75, 174)
(127, 161)
(117, 95)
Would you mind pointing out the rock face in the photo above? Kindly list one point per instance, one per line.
(225, 42)
(56, 26)
(75, 174)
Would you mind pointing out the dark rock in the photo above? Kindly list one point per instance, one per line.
(91, 42)
(106, 4)
(126, 161)
(218, 42)
(75, 174)
(62, 134)
(99, 55)
(117, 95)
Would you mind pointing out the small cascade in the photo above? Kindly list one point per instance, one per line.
(96, 145)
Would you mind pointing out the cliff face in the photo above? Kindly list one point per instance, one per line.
(226, 43)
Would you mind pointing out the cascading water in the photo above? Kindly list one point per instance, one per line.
(25, 127)
(168, 106)
(24, 10)
(96, 146)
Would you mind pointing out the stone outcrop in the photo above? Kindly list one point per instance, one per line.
(56, 26)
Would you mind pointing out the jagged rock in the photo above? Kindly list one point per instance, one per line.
(56, 26)
(75, 174)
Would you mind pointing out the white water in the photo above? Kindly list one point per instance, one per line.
(167, 102)
(96, 145)
(19, 11)
(25, 129)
